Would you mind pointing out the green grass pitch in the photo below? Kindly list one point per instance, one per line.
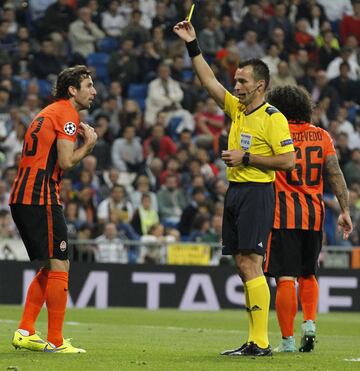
(137, 339)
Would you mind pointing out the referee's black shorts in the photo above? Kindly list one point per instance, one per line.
(248, 218)
(293, 252)
(43, 230)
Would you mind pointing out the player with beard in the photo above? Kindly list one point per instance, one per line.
(49, 149)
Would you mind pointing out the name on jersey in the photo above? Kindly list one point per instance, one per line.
(311, 136)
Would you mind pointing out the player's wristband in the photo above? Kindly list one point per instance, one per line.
(193, 48)
(246, 158)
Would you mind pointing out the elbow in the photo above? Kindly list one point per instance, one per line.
(65, 165)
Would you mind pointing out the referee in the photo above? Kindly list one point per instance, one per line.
(259, 143)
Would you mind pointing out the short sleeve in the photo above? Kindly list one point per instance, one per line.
(329, 148)
(279, 134)
(67, 124)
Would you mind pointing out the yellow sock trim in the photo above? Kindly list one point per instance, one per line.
(259, 302)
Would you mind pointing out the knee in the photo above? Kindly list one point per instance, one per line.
(59, 265)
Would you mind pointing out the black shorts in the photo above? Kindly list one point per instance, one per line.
(248, 218)
(293, 252)
(43, 230)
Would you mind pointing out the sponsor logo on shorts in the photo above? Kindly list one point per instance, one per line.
(63, 245)
(70, 128)
(260, 244)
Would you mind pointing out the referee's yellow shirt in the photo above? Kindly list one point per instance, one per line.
(264, 131)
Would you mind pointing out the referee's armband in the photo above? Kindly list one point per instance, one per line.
(193, 48)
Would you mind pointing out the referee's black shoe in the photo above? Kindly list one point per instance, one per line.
(252, 350)
(228, 352)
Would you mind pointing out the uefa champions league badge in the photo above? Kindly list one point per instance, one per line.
(245, 141)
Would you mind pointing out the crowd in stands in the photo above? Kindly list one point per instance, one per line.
(155, 173)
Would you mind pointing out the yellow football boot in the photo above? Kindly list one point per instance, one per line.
(31, 342)
(66, 347)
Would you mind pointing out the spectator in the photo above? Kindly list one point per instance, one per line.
(109, 247)
(335, 11)
(249, 46)
(149, 61)
(4, 196)
(282, 77)
(4, 112)
(352, 167)
(280, 20)
(164, 93)
(127, 152)
(327, 51)
(344, 85)
(112, 21)
(102, 151)
(333, 69)
(354, 140)
(135, 31)
(277, 37)
(84, 33)
(123, 65)
(211, 39)
(272, 58)
(143, 187)
(209, 124)
(153, 250)
(116, 208)
(163, 20)
(145, 216)
(45, 64)
(162, 145)
(14, 142)
(254, 20)
(9, 81)
(298, 63)
(171, 201)
(228, 28)
(343, 151)
(172, 168)
(323, 93)
(190, 211)
(55, 24)
(303, 39)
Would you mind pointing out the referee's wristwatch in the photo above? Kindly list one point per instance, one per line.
(246, 159)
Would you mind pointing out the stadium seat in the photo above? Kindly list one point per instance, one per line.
(138, 92)
(45, 87)
(100, 62)
(108, 44)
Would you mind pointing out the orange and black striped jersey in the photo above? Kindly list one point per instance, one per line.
(299, 200)
(39, 175)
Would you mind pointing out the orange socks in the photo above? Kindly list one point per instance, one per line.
(309, 297)
(286, 306)
(56, 299)
(35, 299)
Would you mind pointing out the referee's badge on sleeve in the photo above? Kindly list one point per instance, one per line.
(245, 141)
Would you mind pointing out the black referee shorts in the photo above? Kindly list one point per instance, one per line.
(293, 252)
(248, 218)
(43, 230)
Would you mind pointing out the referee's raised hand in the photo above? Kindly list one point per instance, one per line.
(185, 31)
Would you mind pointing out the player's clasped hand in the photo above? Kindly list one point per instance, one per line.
(232, 157)
(88, 134)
